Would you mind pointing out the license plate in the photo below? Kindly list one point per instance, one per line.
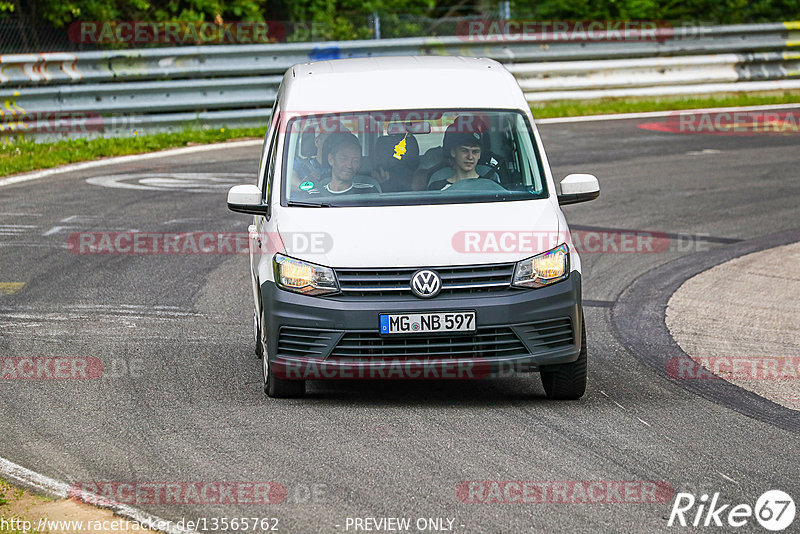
(422, 323)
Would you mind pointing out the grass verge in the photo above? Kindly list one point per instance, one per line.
(23, 156)
(576, 108)
(24, 513)
(10, 518)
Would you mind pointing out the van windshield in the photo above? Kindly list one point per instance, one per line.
(410, 157)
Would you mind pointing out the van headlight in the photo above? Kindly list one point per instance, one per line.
(303, 277)
(543, 269)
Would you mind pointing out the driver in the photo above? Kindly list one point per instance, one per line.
(464, 154)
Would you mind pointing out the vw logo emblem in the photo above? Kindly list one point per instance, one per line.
(426, 284)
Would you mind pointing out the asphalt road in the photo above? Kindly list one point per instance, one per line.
(181, 398)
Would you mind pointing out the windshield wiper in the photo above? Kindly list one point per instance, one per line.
(308, 204)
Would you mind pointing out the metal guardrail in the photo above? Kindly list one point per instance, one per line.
(123, 92)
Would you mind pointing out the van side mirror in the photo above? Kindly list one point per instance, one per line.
(246, 199)
(578, 188)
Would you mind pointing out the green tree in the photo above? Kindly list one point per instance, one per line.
(60, 13)
(674, 11)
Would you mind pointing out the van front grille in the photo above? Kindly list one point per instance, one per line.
(397, 281)
(548, 334)
(306, 342)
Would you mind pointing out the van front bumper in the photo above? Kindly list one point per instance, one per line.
(517, 331)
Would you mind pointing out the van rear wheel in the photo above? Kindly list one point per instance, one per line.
(567, 381)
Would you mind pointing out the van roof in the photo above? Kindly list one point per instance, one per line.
(399, 82)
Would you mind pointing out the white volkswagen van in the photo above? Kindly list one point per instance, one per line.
(406, 225)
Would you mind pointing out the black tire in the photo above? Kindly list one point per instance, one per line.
(259, 350)
(567, 381)
(279, 388)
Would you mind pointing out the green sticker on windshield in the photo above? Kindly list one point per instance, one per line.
(305, 186)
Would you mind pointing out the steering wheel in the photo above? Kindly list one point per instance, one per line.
(476, 184)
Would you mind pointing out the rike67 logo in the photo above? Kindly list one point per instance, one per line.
(774, 510)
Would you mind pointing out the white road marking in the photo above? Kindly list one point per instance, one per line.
(33, 245)
(172, 311)
(63, 311)
(10, 214)
(612, 400)
(79, 218)
(186, 220)
(176, 181)
(618, 404)
(703, 152)
(55, 230)
(15, 229)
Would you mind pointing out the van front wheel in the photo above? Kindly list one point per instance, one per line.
(257, 335)
(274, 387)
(280, 388)
(567, 381)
